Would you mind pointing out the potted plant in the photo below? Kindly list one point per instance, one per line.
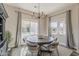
(8, 38)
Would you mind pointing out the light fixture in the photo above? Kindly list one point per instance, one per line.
(37, 12)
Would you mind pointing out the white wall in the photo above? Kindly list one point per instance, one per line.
(75, 24)
(42, 27)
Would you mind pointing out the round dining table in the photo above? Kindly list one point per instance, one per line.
(40, 40)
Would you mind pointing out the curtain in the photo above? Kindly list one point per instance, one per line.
(18, 30)
(70, 39)
(49, 28)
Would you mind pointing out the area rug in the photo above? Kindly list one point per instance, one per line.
(74, 53)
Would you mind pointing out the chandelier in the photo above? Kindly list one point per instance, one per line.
(37, 12)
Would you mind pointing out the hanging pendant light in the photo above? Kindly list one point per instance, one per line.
(37, 13)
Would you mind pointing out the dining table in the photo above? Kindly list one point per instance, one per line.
(40, 40)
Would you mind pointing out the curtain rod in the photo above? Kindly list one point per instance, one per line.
(30, 14)
(27, 14)
(58, 13)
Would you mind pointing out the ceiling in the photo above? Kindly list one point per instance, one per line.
(45, 7)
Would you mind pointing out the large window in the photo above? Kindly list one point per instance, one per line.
(58, 29)
(29, 28)
(54, 29)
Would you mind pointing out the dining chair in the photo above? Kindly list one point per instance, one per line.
(54, 46)
(33, 48)
(40, 46)
(50, 48)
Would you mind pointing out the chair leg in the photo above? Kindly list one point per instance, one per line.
(57, 51)
(42, 53)
(39, 53)
(50, 54)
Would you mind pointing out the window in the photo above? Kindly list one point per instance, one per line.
(58, 29)
(53, 29)
(29, 28)
(34, 28)
(62, 27)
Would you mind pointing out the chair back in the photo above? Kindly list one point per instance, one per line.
(52, 42)
(32, 46)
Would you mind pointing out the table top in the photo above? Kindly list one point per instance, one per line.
(36, 39)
